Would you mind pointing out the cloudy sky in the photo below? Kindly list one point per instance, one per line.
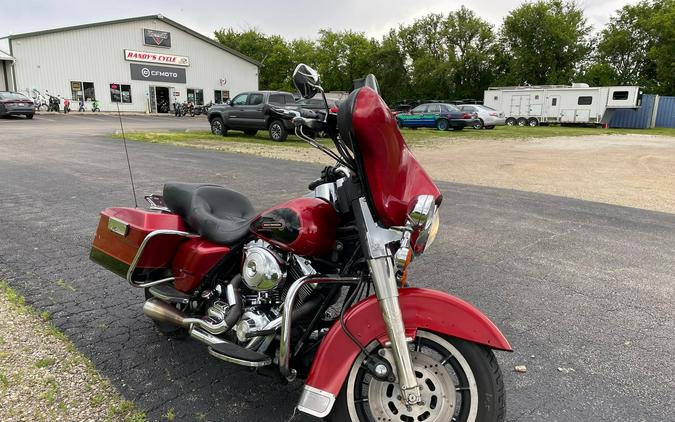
(296, 19)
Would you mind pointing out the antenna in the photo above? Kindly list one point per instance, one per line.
(126, 152)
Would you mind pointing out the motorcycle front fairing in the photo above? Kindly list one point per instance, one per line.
(391, 179)
(391, 176)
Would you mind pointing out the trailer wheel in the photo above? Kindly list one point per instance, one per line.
(533, 122)
(522, 121)
(510, 121)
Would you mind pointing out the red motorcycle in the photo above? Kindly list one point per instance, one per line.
(288, 289)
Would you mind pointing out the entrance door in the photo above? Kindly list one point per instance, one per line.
(163, 99)
(553, 112)
(153, 99)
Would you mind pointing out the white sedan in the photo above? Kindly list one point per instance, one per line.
(488, 117)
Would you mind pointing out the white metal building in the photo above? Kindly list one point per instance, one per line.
(6, 62)
(142, 64)
(578, 103)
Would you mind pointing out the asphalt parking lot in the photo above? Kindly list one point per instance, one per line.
(584, 291)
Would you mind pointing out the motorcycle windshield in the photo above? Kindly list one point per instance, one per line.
(391, 175)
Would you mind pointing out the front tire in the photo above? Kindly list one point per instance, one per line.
(479, 124)
(460, 381)
(278, 131)
(442, 124)
(218, 127)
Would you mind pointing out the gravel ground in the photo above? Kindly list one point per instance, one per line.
(632, 170)
(42, 375)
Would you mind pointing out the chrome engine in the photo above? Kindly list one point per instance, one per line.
(264, 268)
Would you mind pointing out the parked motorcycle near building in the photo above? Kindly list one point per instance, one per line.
(288, 289)
(54, 104)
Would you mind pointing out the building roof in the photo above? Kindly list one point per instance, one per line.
(6, 57)
(139, 18)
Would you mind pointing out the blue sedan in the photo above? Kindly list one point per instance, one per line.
(439, 115)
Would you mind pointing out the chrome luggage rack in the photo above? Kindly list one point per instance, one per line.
(139, 253)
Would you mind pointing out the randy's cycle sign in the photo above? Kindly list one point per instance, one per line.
(142, 72)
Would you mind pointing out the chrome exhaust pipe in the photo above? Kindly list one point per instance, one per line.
(162, 311)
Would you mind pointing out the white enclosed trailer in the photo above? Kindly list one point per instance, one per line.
(578, 103)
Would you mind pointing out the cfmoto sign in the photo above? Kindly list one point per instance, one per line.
(141, 72)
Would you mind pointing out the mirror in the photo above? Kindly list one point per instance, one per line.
(306, 80)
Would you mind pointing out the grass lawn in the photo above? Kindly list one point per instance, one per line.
(260, 138)
(516, 132)
(199, 138)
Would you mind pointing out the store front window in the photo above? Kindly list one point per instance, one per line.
(195, 96)
(220, 96)
(120, 93)
(79, 89)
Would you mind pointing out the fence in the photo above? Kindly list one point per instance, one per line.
(656, 111)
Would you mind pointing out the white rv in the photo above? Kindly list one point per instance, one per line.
(578, 103)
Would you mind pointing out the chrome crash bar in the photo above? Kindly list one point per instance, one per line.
(289, 303)
(139, 253)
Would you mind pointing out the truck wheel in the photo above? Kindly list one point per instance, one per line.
(511, 121)
(532, 122)
(442, 124)
(218, 127)
(461, 382)
(250, 132)
(278, 131)
(522, 121)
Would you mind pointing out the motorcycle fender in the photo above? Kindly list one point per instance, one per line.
(422, 309)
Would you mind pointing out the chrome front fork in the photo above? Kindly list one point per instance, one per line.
(383, 273)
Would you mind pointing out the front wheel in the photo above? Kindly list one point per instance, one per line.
(278, 131)
(217, 126)
(442, 124)
(459, 381)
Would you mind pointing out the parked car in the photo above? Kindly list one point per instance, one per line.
(488, 117)
(442, 116)
(247, 112)
(15, 103)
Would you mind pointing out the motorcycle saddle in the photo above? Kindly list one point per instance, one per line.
(217, 214)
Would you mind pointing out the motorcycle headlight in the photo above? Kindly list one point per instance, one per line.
(427, 233)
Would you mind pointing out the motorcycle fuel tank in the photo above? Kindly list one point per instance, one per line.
(304, 226)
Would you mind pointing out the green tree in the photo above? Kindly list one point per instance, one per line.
(624, 45)
(342, 57)
(545, 42)
(662, 52)
(475, 47)
(430, 57)
(272, 51)
(390, 69)
(638, 46)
